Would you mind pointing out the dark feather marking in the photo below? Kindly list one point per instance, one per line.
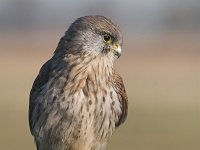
(104, 92)
(63, 99)
(98, 66)
(109, 123)
(54, 99)
(101, 113)
(104, 99)
(113, 103)
(85, 91)
(111, 95)
(90, 102)
(102, 134)
(87, 83)
(81, 110)
(104, 118)
(62, 91)
(72, 100)
(96, 98)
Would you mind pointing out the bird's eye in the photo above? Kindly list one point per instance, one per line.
(107, 38)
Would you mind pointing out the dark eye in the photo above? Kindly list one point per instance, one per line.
(107, 38)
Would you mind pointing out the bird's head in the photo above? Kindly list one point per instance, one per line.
(94, 35)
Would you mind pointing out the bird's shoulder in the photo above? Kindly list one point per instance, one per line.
(41, 78)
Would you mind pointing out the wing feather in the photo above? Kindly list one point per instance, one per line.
(120, 90)
(40, 80)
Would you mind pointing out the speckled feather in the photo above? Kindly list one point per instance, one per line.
(78, 99)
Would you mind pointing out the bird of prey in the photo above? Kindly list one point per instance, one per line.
(78, 99)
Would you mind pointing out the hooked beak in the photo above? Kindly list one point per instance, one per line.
(116, 49)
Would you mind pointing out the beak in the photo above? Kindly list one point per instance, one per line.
(116, 49)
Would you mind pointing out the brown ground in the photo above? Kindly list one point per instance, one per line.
(162, 78)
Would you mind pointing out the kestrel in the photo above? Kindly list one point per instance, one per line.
(78, 99)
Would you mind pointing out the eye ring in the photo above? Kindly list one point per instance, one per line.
(107, 38)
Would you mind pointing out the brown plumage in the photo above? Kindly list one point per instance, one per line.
(78, 99)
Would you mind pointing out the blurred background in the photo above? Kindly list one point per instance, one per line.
(160, 66)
